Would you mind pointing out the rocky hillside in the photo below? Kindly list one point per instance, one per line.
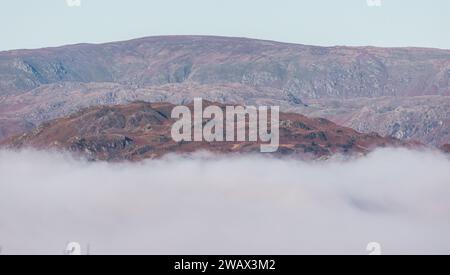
(423, 118)
(401, 92)
(303, 71)
(140, 130)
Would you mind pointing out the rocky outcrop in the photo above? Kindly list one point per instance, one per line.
(140, 130)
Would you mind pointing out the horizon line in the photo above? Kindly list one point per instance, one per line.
(219, 36)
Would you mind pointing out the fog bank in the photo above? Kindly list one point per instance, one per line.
(237, 205)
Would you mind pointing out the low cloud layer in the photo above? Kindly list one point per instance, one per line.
(245, 205)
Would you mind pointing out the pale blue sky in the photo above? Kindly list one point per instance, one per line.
(41, 23)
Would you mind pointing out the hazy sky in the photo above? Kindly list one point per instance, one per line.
(32, 24)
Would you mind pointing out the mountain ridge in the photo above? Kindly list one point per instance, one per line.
(207, 60)
(366, 84)
(23, 50)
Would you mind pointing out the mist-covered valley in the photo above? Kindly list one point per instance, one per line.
(209, 204)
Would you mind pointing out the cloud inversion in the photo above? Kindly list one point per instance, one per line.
(216, 205)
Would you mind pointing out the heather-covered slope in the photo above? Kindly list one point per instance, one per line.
(141, 130)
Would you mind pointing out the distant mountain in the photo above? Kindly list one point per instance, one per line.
(139, 131)
(361, 87)
(303, 71)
